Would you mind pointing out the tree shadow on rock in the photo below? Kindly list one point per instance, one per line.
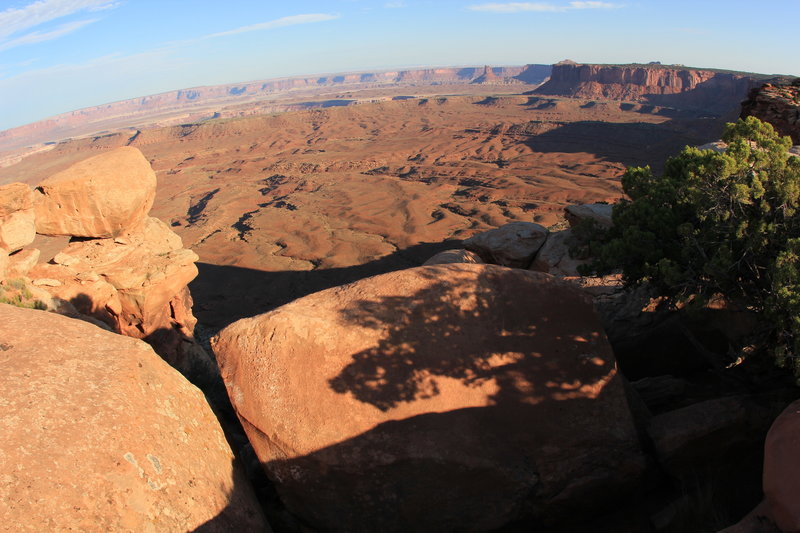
(500, 400)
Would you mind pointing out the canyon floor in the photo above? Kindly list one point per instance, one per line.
(281, 205)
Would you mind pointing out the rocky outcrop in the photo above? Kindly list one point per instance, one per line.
(136, 284)
(778, 104)
(98, 197)
(600, 214)
(17, 225)
(132, 274)
(512, 245)
(454, 256)
(21, 263)
(451, 397)
(554, 256)
(99, 434)
(678, 86)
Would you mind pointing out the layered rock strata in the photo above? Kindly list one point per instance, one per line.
(710, 90)
(778, 104)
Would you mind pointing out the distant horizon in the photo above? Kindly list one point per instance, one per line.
(60, 56)
(360, 71)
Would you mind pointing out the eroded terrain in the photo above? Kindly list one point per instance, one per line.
(281, 205)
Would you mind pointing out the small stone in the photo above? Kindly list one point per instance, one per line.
(46, 282)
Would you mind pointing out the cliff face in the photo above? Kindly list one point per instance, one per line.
(778, 104)
(198, 98)
(708, 90)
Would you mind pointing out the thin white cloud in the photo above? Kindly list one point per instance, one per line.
(394, 5)
(540, 7)
(593, 5)
(15, 20)
(277, 23)
(38, 37)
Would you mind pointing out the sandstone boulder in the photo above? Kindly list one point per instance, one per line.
(553, 257)
(716, 146)
(782, 469)
(600, 213)
(440, 398)
(137, 285)
(99, 434)
(98, 197)
(512, 245)
(17, 226)
(3, 264)
(454, 256)
(15, 197)
(20, 263)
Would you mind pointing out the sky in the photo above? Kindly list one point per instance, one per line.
(60, 55)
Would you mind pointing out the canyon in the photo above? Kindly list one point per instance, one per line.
(308, 215)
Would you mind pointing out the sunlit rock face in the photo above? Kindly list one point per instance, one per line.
(17, 227)
(98, 197)
(448, 397)
(100, 434)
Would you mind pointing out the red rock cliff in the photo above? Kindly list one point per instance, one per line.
(778, 104)
(709, 90)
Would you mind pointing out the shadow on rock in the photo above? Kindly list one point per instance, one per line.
(229, 293)
(442, 398)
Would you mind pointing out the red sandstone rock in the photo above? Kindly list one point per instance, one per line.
(511, 245)
(454, 256)
(782, 470)
(17, 227)
(99, 197)
(778, 104)
(600, 213)
(3, 263)
(20, 263)
(15, 197)
(709, 90)
(553, 257)
(99, 434)
(450, 397)
(137, 284)
(17, 230)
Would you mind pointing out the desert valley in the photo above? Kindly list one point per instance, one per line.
(267, 240)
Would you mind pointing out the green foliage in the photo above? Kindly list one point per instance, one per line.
(716, 223)
(16, 292)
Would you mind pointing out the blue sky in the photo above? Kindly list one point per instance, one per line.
(61, 55)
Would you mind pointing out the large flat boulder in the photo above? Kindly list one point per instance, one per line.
(100, 434)
(98, 197)
(511, 245)
(453, 397)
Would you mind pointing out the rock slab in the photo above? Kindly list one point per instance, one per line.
(129, 445)
(453, 397)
